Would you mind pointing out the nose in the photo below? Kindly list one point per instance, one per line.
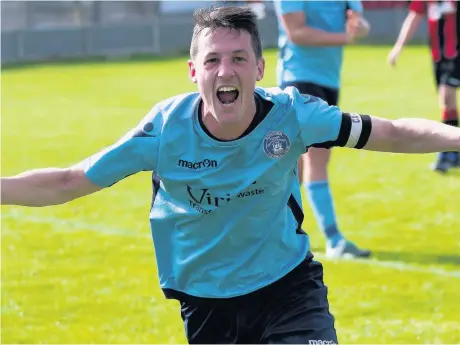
(226, 69)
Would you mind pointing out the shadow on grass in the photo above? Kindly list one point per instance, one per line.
(408, 257)
(454, 172)
(418, 258)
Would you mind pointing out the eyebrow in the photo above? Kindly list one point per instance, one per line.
(238, 51)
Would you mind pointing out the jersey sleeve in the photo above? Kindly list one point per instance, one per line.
(417, 6)
(136, 151)
(355, 6)
(285, 7)
(327, 126)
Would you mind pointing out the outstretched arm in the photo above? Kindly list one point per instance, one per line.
(43, 187)
(327, 126)
(412, 135)
(134, 152)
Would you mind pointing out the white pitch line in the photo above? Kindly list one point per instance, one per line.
(60, 225)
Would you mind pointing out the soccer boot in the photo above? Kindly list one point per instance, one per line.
(442, 163)
(346, 249)
(454, 159)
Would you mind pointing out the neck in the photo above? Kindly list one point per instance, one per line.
(227, 131)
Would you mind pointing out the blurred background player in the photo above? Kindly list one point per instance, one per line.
(312, 35)
(443, 18)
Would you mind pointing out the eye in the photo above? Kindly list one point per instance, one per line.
(211, 60)
(239, 59)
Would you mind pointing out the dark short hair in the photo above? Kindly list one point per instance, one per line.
(230, 17)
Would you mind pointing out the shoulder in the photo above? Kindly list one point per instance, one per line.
(177, 100)
(290, 97)
(169, 110)
(274, 94)
(180, 106)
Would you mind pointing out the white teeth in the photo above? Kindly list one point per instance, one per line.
(227, 88)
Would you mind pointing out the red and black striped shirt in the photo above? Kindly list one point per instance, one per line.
(443, 17)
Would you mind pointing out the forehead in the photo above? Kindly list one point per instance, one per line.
(224, 40)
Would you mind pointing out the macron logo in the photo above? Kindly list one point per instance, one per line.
(206, 163)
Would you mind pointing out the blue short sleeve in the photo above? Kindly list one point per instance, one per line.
(320, 124)
(134, 152)
(355, 6)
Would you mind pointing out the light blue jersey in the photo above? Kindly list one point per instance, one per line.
(313, 64)
(220, 219)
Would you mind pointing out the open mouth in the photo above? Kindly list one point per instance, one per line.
(227, 95)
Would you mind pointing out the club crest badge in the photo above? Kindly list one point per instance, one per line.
(276, 144)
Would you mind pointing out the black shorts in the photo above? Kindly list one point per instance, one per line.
(447, 72)
(293, 310)
(329, 95)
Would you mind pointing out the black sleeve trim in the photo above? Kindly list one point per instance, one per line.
(344, 133)
(366, 131)
(354, 132)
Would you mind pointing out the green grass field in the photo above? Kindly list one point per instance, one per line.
(85, 272)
